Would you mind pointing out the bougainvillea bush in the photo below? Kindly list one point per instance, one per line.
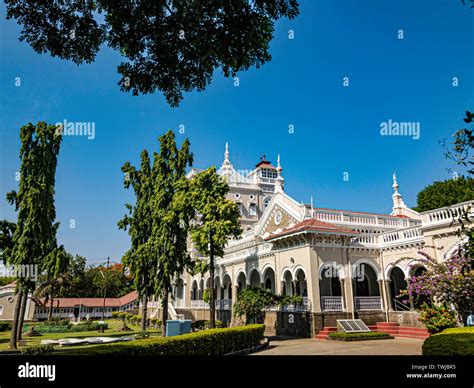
(447, 284)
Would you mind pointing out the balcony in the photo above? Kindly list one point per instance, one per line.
(368, 303)
(221, 304)
(447, 215)
(332, 303)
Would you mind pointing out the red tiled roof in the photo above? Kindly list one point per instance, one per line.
(267, 163)
(96, 302)
(350, 211)
(313, 225)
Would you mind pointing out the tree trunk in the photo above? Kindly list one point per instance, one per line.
(144, 313)
(165, 311)
(212, 304)
(16, 315)
(21, 318)
(50, 311)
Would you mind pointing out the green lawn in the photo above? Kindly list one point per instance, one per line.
(112, 331)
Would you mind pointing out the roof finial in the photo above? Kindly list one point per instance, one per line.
(279, 181)
(395, 184)
(312, 208)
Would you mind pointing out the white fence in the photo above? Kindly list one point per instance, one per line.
(368, 303)
(332, 303)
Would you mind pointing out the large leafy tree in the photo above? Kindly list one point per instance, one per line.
(158, 222)
(169, 45)
(139, 223)
(218, 219)
(172, 212)
(446, 193)
(34, 239)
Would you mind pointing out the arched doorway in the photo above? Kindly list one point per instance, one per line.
(397, 284)
(241, 281)
(366, 281)
(287, 286)
(254, 278)
(301, 288)
(194, 291)
(179, 293)
(419, 300)
(269, 279)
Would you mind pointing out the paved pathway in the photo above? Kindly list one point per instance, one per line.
(310, 346)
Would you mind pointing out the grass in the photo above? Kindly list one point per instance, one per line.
(112, 331)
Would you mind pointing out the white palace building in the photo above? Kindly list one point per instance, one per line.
(345, 264)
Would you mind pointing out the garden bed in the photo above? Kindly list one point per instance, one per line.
(369, 336)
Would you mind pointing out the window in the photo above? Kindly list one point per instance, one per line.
(267, 173)
(1, 310)
(237, 195)
(239, 205)
(266, 202)
(252, 209)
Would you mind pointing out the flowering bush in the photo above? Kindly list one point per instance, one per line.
(448, 283)
(437, 318)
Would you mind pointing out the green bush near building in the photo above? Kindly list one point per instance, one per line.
(457, 341)
(4, 326)
(203, 324)
(358, 336)
(212, 342)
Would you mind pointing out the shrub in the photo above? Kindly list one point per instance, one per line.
(437, 318)
(4, 326)
(451, 342)
(372, 334)
(70, 328)
(212, 342)
(38, 350)
(204, 324)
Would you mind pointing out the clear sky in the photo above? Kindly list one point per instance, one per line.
(336, 128)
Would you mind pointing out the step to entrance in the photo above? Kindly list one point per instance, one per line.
(394, 329)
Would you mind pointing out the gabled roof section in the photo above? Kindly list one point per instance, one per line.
(313, 225)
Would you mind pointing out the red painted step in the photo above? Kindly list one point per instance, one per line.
(392, 328)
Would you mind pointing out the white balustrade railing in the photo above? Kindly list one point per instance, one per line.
(368, 303)
(221, 304)
(400, 236)
(304, 306)
(448, 214)
(332, 303)
(199, 304)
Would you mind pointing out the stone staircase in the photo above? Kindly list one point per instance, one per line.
(324, 334)
(394, 329)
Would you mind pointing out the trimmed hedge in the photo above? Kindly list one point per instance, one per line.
(4, 326)
(81, 327)
(457, 341)
(212, 342)
(372, 334)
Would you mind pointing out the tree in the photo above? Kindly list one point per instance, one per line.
(169, 45)
(218, 219)
(172, 212)
(34, 239)
(448, 283)
(139, 223)
(251, 301)
(446, 193)
(158, 223)
(54, 279)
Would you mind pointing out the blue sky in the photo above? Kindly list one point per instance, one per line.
(336, 128)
